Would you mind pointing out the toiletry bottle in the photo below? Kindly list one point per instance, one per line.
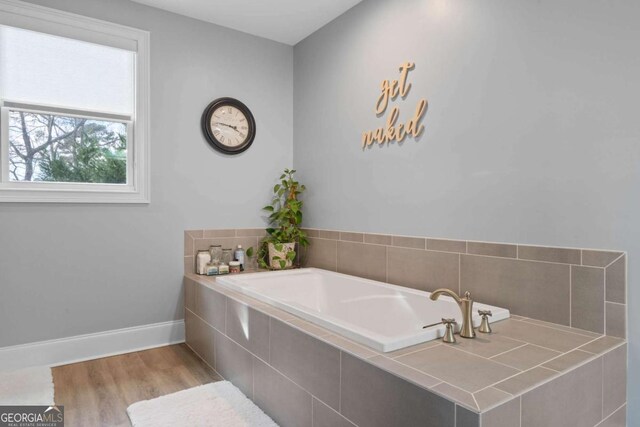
(202, 259)
(239, 256)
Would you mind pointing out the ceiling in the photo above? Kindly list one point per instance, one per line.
(285, 21)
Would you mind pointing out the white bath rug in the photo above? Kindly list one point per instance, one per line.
(218, 404)
(29, 386)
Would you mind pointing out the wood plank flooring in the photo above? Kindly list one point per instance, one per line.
(98, 392)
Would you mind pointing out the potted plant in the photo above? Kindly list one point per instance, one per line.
(278, 250)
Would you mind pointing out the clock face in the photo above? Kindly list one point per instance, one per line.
(228, 125)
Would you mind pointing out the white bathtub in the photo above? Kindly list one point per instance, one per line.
(382, 316)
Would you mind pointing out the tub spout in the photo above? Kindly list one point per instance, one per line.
(466, 307)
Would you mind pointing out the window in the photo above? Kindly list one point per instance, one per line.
(73, 108)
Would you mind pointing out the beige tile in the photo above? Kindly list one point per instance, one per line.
(444, 245)
(189, 293)
(542, 336)
(310, 232)
(251, 232)
(413, 348)
(378, 239)
(458, 368)
(362, 260)
(526, 357)
(522, 286)
(249, 328)
(617, 419)
(409, 242)
(540, 253)
(189, 265)
(276, 313)
(309, 362)
(188, 244)
(614, 385)
(424, 270)
(199, 336)
(374, 398)
(211, 306)
(351, 237)
(456, 394)
(568, 360)
(490, 397)
(616, 281)
(234, 363)
(321, 254)
(309, 328)
(526, 380)
(466, 417)
(587, 298)
(350, 346)
(328, 234)
(615, 319)
(602, 345)
(505, 415)
(598, 258)
(492, 249)
(324, 416)
(561, 327)
(280, 398)
(196, 234)
(226, 242)
(215, 233)
(572, 399)
(487, 345)
(403, 371)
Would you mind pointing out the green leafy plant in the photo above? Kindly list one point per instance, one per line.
(285, 218)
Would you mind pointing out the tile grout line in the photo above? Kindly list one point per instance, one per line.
(602, 389)
(459, 274)
(524, 344)
(604, 298)
(340, 385)
(546, 325)
(611, 414)
(571, 295)
(614, 261)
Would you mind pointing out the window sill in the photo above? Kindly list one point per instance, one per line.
(39, 195)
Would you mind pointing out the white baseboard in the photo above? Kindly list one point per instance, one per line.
(91, 346)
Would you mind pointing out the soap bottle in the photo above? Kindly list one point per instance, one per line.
(239, 256)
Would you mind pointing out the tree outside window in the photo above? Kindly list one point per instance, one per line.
(56, 148)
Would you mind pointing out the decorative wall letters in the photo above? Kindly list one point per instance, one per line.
(389, 91)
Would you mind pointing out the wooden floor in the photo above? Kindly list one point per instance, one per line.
(98, 392)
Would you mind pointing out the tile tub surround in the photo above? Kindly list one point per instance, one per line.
(304, 375)
(195, 240)
(579, 288)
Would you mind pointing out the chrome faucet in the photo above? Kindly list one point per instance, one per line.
(466, 307)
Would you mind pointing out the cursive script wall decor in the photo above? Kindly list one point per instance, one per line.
(389, 91)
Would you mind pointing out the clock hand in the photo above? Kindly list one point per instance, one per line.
(229, 126)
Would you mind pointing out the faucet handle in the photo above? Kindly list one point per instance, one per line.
(485, 327)
(449, 337)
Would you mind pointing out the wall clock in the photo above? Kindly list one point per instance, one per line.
(228, 125)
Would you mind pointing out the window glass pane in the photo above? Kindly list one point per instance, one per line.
(38, 68)
(56, 148)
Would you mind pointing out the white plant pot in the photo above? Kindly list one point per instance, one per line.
(280, 255)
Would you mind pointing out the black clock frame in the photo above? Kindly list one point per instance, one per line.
(208, 133)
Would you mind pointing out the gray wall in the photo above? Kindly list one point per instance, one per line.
(532, 134)
(67, 269)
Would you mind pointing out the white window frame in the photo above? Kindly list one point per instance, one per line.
(15, 13)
